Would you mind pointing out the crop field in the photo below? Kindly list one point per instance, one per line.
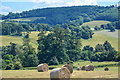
(97, 73)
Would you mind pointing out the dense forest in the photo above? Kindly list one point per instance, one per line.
(75, 14)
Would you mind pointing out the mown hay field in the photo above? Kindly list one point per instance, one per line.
(76, 74)
(97, 73)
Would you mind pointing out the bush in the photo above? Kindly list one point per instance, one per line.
(10, 66)
(3, 64)
(7, 61)
(53, 61)
(32, 60)
(17, 65)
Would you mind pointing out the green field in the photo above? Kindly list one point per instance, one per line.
(28, 19)
(92, 24)
(1, 20)
(100, 37)
(97, 73)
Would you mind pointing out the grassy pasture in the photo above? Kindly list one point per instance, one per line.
(97, 73)
(92, 24)
(7, 39)
(28, 19)
(1, 20)
(18, 40)
(100, 37)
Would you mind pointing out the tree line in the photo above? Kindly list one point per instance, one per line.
(14, 29)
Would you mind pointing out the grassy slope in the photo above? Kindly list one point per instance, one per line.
(27, 19)
(1, 20)
(100, 38)
(18, 40)
(7, 39)
(98, 73)
(92, 24)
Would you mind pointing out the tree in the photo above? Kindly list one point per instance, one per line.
(53, 61)
(99, 48)
(17, 65)
(112, 29)
(86, 32)
(28, 57)
(60, 45)
(32, 60)
(10, 66)
(52, 45)
(97, 28)
(87, 47)
(107, 46)
(103, 26)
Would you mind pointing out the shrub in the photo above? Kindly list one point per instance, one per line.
(17, 65)
(53, 61)
(10, 66)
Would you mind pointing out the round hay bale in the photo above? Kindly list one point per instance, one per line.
(89, 68)
(106, 69)
(70, 68)
(60, 74)
(42, 67)
(83, 68)
(78, 68)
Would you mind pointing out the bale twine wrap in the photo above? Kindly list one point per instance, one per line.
(89, 68)
(70, 68)
(106, 69)
(83, 68)
(42, 67)
(60, 74)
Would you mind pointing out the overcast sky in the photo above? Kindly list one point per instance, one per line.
(22, 5)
